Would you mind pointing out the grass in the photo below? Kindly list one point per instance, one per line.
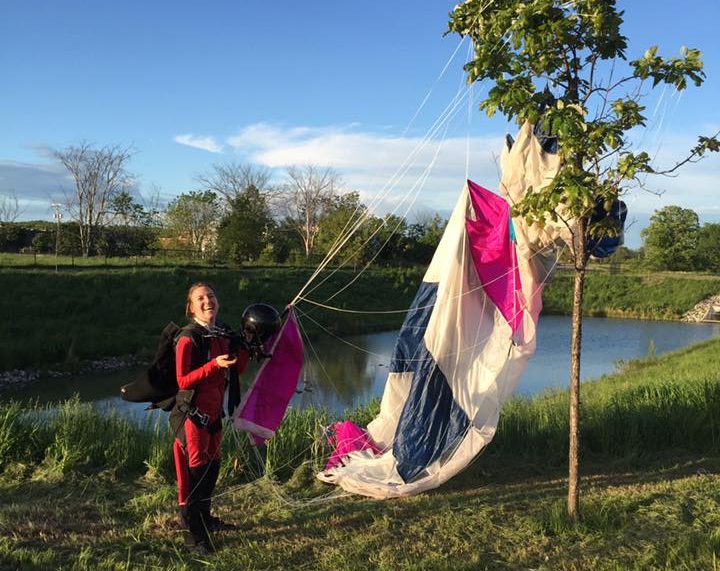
(67, 317)
(83, 490)
(49, 261)
(653, 405)
(640, 295)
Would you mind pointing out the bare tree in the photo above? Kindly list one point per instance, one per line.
(99, 175)
(230, 180)
(9, 207)
(305, 196)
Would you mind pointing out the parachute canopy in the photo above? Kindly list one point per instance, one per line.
(465, 340)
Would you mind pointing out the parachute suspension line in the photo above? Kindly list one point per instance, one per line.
(315, 353)
(419, 184)
(469, 116)
(402, 170)
(304, 315)
(411, 194)
(419, 308)
(432, 87)
(447, 113)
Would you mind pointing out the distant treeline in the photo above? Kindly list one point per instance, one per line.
(401, 244)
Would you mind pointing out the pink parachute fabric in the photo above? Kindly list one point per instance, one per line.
(494, 253)
(347, 437)
(263, 406)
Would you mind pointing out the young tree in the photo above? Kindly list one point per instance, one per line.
(555, 63)
(99, 175)
(304, 198)
(670, 241)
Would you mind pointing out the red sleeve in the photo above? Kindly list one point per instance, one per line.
(187, 378)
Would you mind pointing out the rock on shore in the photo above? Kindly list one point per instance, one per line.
(19, 376)
(708, 309)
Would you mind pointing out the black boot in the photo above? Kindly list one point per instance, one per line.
(212, 523)
(196, 532)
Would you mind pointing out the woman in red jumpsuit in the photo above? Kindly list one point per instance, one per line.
(203, 362)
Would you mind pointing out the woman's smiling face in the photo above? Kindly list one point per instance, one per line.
(204, 305)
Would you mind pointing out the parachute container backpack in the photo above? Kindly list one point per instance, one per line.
(465, 341)
(158, 386)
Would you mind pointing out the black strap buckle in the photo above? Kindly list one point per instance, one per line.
(200, 417)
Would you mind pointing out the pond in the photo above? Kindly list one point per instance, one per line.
(344, 373)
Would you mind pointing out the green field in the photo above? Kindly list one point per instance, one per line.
(79, 490)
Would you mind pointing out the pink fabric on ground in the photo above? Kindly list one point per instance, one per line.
(264, 405)
(348, 437)
(493, 252)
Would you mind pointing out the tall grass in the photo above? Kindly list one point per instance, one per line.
(666, 403)
(11, 434)
(299, 440)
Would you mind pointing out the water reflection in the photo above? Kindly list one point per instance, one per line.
(344, 374)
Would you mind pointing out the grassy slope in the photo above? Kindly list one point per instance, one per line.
(650, 498)
(55, 318)
(52, 318)
(645, 296)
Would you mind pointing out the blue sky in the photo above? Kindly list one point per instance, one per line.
(191, 84)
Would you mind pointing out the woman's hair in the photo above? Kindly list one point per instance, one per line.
(193, 287)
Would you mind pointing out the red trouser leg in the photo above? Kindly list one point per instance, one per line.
(202, 447)
(181, 471)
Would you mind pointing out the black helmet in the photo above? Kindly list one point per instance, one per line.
(260, 321)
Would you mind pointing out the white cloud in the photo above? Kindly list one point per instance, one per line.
(371, 162)
(205, 143)
(387, 170)
(695, 185)
(36, 186)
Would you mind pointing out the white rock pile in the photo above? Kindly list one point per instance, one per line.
(20, 376)
(706, 310)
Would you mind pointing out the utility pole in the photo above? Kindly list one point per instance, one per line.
(57, 216)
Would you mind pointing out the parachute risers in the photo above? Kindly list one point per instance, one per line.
(457, 359)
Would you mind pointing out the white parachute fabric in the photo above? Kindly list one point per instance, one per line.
(457, 357)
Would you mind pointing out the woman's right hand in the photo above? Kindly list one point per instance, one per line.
(225, 361)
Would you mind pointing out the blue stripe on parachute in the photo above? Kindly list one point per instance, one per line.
(413, 329)
(431, 422)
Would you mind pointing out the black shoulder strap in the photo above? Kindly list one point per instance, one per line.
(200, 345)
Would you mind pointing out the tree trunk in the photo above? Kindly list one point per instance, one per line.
(575, 352)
